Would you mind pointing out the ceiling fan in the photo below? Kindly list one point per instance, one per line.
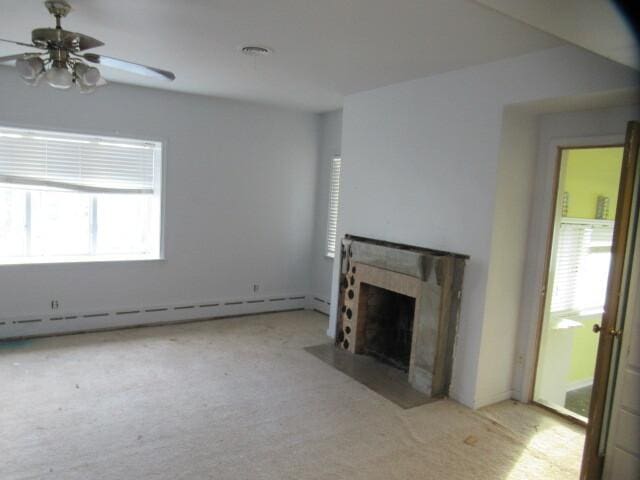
(61, 61)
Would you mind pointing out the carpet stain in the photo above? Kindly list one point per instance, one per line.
(471, 440)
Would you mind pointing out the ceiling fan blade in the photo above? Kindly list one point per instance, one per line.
(10, 58)
(129, 66)
(85, 42)
(21, 43)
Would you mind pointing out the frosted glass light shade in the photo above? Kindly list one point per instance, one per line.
(59, 77)
(34, 82)
(91, 76)
(86, 76)
(29, 68)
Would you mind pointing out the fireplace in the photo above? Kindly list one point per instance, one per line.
(400, 304)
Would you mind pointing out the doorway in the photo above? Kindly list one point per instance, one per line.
(578, 265)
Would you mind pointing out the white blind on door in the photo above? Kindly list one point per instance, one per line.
(334, 199)
(581, 265)
(572, 248)
(77, 162)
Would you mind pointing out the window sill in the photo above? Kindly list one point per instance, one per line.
(22, 262)
(578, 314)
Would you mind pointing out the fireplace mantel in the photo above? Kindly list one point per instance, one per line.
(431, 278)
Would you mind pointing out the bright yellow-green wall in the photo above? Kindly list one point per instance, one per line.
(589, 173)
(584, 349)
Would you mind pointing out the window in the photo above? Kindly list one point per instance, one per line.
(334, 199)
(582, 266)
(70, 198)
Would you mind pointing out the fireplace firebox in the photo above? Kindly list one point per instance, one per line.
(388, 327)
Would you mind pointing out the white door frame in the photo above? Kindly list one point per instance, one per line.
(540, 222)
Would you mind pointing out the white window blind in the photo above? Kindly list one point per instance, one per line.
(334, 200)
(77, 162)
(581, 267)
(68, 197)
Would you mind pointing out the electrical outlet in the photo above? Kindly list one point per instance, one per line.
(55, 304)
(256, 288)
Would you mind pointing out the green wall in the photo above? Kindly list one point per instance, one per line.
(583, 352)
(589, 173)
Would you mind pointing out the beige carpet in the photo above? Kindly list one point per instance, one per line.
(240, 399)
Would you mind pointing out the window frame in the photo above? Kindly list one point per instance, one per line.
(330, 251)
(160, 182)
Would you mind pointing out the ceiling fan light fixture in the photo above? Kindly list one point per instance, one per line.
(59, 77)
(85, 75)
(91, 76)
(29, 68)
(61, 59)
(34, 82)
(83, 86)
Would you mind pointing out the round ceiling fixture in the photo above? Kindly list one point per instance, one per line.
(255, 50)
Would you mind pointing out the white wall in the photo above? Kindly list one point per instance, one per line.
(596, 126)
(239, 203)
(421, 167)
(330, 141)
(516, 164)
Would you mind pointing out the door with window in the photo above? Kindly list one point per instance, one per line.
(581, 243)
(586, 366)
(611, 442)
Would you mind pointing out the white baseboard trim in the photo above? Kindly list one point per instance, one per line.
(486, 400)
(519, 396)
(74, 322)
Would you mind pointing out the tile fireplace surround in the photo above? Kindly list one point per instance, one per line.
(401, 304)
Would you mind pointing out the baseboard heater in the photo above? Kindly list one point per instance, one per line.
(42, 325)
(319, 304)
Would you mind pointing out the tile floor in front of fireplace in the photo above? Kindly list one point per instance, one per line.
(238, 399)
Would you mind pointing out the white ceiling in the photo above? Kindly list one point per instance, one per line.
(324, 49)
(596, 25)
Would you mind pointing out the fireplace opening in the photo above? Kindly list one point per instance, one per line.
(388, 325)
